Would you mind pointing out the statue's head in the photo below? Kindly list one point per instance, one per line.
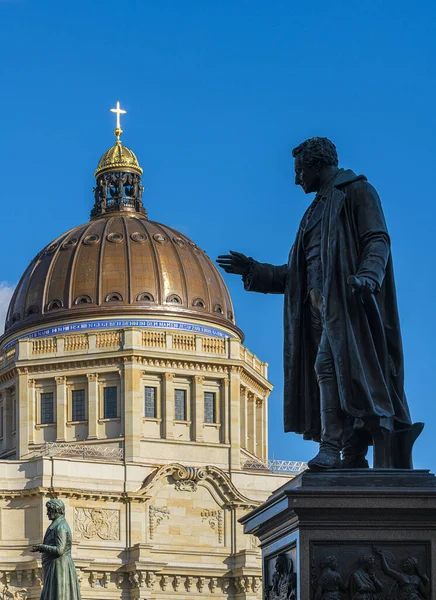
(330, 562)
(368, 561)
(409, 565)
(312, 158)
(55, 508)
(281, 565)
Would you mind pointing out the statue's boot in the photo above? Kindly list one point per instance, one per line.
(354, 448)
(332, 427)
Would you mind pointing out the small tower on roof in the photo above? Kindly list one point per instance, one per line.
(118, 178)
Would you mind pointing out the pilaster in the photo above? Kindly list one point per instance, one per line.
(61, 408)
(198, 408)
(234, 418)
(32, 410)
(133, 410)
(92, 405)
(22, 424)
(168, 405)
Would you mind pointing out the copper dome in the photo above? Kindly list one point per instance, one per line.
(120, 263)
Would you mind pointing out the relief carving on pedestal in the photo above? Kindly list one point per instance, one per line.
(364, 571)
(281, 579)
(96, 524)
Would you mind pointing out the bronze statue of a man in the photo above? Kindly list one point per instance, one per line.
(60, 577)
(343, 357)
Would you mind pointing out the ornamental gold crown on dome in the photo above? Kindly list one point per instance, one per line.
(118, 178)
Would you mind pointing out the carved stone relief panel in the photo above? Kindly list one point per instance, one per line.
(280, 577)
(96, 524)
(366, 570)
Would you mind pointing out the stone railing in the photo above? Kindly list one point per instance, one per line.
(165, 341)
(111, 339)
(184, 342)
(76, 342)
(44, 346)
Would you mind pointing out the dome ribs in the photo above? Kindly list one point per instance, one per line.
(156, 265)
(129, 272)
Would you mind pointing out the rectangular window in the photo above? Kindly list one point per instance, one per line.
(78, 405)
(150, 409)
(110, 403)
(47, 408)
(209, 407)
(1, 421)
(180, 405)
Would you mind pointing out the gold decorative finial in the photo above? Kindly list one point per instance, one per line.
(118, 111)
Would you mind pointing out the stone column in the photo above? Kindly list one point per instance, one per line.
(260, 428)
(234, 419)
(251, 429)
(198, 409)
(61, 408)
(22, 417)
(133, 410)
(244, 418)
(7, 419)
(32, 410)
(225, 411)
(168, 406)
(92, 405)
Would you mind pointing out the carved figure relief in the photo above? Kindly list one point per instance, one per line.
(366, 572)
(156, 514)
(96, 523)
(284, 580)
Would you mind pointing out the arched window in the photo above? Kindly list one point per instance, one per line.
(174, 299)
(145, 297)
(83, 300)
(56, 303)
(32, 310)
(199, 303)
(218, 309)
(114, 297)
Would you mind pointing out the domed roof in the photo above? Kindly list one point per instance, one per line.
(122, 264)
(119, 158)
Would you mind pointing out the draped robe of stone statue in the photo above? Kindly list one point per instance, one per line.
(60, 577)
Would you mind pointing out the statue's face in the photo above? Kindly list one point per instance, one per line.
(51, 513)
(306, 176)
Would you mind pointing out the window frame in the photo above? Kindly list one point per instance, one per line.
(110, 385)
(85, 405)
(186, 398)
(41, 392)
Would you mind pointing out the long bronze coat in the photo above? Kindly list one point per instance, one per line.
(354, 241)
(60, 578)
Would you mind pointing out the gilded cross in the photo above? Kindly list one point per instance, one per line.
(118, 111)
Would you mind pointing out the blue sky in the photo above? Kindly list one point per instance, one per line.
(217, 94)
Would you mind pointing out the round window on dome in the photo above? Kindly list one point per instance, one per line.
(56, 303)
(218, 309)
(83, 300)
(16, 317)
(230, 315)
(32, 310)
(114, 297)
(174, 299)
(145, 297)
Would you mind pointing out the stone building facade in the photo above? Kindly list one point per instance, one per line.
(126, 390)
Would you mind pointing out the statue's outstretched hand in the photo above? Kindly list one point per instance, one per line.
(36, 548)
(235, 262)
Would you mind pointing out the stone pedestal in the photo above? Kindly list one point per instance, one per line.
(350, 534)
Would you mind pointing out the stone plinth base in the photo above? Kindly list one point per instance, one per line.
(350, 534)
